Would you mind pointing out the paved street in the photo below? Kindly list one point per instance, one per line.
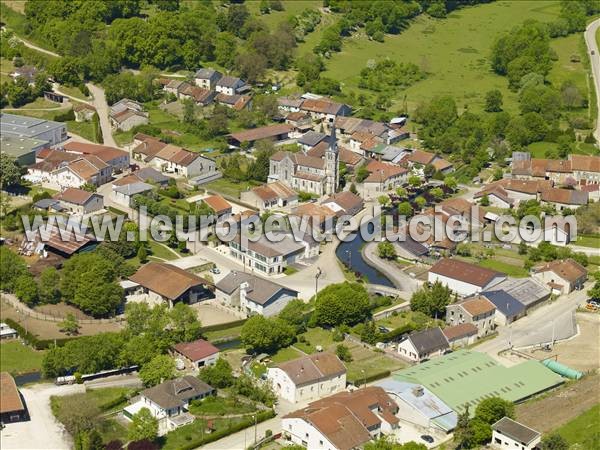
(101, 106)
(43, 431)
(592, 45)
(553, 319)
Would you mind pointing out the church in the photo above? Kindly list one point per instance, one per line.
(306, 173)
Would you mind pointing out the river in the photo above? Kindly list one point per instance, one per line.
(349, 254)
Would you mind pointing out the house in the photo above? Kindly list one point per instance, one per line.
(300, 121)
(126, 114)
(198, 353)
(508, 308)
(87, 169)
(563, 276)
(496, 196)
(12, 408)
(289, 104)
(80, 202)
(253, 295)
(161, 282)
(364, 143)
(344, 203)
(418, 159)
(344, 421)
(28, 127)
(324, 109)
(270, 257)
(7, 332)
(117, 159)
(179, 161)
(564, 198)
(350, 159)
(277, 132)
(319, 176)
(419, 406)
(207, 78)
(123, 194)
(237, 102)
(527, 291)
(585, 169)
(308, 378)
(270, 195)
(199, 95)
(383, 177)
(347, 126)
(145, 174)
(219, 205)
(476, 310)
(311, 139)
(169, 401)
(319, 217)
(410, 249)
(174, 87)
(230, 85)
(21, 149)
(62, 243)
(84, 112)
(461, 335)
(422, 345)
(578, 169)
(462, 277)
(508, 433)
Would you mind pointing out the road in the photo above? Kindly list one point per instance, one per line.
(101, 106)
(35, 47)
(43, 431)
(592, 46)
(555, 319)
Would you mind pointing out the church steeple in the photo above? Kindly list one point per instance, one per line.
(332, 165)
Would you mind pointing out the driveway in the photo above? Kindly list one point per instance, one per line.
(101, 106)
(592, 46)
(43, 431)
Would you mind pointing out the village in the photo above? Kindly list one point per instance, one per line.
(146, 338)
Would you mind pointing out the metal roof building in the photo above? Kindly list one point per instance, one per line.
(528, 291)
(32, 128)
(464, 378)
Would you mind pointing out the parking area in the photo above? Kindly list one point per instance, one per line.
(210, 313)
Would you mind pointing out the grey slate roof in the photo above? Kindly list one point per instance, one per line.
(207, 74)
(230, 82)
(505, 303)
(412, 246)
(528, 291)
(134, 188)
(148, 173)
(174, 393)
(259, 290)
(429, 341)
(311, 138)
(515, 430)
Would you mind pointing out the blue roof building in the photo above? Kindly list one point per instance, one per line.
(508, 308)
(420, 406)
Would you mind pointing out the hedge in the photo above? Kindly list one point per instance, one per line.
(363, 380)
(223, 326)
(215, 436)
(387, 337)
(31, 339)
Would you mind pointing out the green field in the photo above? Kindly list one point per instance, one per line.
(509, 269)
(285, 354)
(83, 129)
(314, 337)
(583, 431)
(588, 240)
(17, 358)
(228, 187)
(454, 51)
(539, 149)
(291, 9)
(367, 363)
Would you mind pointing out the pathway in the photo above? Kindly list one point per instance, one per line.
(102, 109)
(400, 279)
(592, 46)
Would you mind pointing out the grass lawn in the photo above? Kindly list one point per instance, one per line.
(367, 363)
(405, 317)
(588, 240)
(111, 430)
(181, 437)
(454, 51)
(17, 358)
(230, 188)
(291, 9)
(220, 406)
(501, 266)
(161, 251)
(314, 337)
(83, 129)
(73, 91)
(217, 335)
(539, 149)
(583, 431)
(285, 354)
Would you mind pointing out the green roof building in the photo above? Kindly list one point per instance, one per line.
(464, 378)
(22, 149)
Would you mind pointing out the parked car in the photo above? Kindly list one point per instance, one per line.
(427, 438)
(215, 270)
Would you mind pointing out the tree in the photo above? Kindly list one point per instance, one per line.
(401, 192)
(437, 193)
(462, 433)
(142, 254)
(294, 314)
(189, 111)
(420, 201)
(450, 182)
(405, 209)
(353, 189)
(70, 325)
(343, 352)
(343, 303)
(414, 181)
(88, 440)
(26, 289)
(493, 101)
(219, 375)
(384, 200)
(143, 426)
(485, 200)
(261, 334)
(184, 323)
(493, 409)
(386, 250)
(49, 291)
(11, 172)
(431, 300)
(387, 442)
(158, 369)
(77, 413)
(481, 432)
(554, 441)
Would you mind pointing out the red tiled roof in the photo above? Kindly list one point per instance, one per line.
(74, 195)
(464, 271)
(217, 203)
(196, 350)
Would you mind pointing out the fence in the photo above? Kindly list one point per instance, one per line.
(27, 311)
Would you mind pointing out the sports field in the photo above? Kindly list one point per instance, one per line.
(454, 51)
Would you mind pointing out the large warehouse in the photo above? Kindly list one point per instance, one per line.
(464, 378)
(32, 128)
